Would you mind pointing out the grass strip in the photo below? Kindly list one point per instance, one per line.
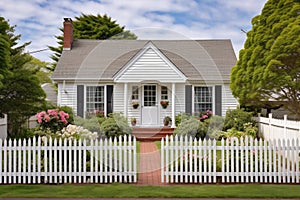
(134, 191)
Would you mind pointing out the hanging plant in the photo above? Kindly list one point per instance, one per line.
(135, 104)
(164, 103)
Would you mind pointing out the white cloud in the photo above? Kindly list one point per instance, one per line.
(39, 20)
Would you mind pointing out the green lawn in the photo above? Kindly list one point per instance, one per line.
(134, 191)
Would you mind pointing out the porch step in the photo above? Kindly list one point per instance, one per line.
(151, 133)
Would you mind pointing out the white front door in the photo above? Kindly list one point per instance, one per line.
(149, 105)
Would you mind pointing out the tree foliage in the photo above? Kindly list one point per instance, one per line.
(268, 68)
(92, 27)
(4, 50)
(21, 95)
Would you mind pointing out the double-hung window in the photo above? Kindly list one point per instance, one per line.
(203, 99)
(94, 98)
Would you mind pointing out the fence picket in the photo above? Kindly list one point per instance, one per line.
(297, 160)
(205, 160)
(9, 160)
(223, 160)
(236, 164)
(172, 159)
(273, 173)
(101, 161)
(60, 160)
(190, 159)
(214, 161)
(91, 142)
(292, 160)
(200, 145)
(209, 161)
(39, 156)
(69, 162)
(96, 161)
(20, 161)
(15, 161)
(196, 158)
(247, 159)
(34, 160)
(125, 161)
(134, 160)
(50, 160)
(167, 160)
(129, 159)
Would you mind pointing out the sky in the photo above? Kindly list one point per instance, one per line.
(39, 21)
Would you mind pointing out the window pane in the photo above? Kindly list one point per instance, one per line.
(202, 99)
(149, 95)
(94, 98)
(164, 93)
(135, 93)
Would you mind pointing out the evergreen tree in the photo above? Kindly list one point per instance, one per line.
(92, 27)
(268, 68)
(4, 50)
(21, 95)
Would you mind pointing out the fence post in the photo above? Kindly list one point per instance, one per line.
(284, 126)
(162, 160)
(270, 126)
(259, 124)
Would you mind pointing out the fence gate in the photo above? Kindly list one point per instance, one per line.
(244, 160)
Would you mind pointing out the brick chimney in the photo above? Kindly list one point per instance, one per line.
(68, 33)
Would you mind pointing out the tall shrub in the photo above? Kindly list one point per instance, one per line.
(237, 118)
(115, 125)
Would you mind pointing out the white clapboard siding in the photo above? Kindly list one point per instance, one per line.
(42, 160)
(228, 101)
(67, 95)
(187, 160)
(180, 98)
(147, 66)
(271, 128)
(118, 97)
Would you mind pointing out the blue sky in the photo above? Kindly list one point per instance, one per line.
(39, 21)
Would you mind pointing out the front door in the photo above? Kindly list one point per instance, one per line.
(150, 105)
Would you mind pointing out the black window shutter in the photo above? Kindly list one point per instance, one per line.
(80, 100)
(109, 97)
(188, 99)
(218, 100)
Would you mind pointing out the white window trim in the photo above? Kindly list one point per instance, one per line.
(105, 98)
(213, 97)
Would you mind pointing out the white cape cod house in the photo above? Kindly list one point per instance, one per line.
(111, 75)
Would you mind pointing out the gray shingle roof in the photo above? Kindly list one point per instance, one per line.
(101, 59)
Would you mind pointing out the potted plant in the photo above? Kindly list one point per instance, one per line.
(133, 121)
(164, 103)
(167, 120)
(135, 104)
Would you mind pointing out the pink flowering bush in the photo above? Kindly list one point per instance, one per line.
(205, 115)
(52, 119)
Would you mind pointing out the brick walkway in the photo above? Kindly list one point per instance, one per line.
(149, 167)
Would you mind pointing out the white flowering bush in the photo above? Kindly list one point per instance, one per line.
(77, 132)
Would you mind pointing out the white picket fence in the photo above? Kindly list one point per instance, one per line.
(39, 160)
(187, 160)
(271, 128)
